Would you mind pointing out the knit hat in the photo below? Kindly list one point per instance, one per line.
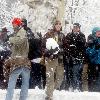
(95, 29)
(17, 21)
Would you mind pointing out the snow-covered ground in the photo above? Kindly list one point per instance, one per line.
(37, 94)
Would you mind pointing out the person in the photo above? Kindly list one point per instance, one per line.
(93, 52)
(4, 36)
(54, 58)
(74, 51)
(30, 36)
(4, 54)
(38, 70)
(18, 63)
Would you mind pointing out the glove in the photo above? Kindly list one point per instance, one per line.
(50, 52)
(97, 46)
(39, 34)
(90, 44)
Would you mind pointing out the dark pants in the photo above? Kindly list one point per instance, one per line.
(92, 73)
(3, 84)
(94, 78)
(67, 76)
(73, 75)
(97, 83)
(77, 75)
(37, 76)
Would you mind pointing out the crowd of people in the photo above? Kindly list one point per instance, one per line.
(26, 61)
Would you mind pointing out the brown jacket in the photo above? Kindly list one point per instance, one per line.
(58, 36)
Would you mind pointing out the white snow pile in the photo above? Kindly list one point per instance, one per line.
(38, 94)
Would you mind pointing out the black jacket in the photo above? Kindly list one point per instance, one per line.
(35, 50)
(74, 47)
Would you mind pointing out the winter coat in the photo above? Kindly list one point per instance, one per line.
(20, 46)
(74, 47)
(93, 49)
(20, 49)
(58, 37)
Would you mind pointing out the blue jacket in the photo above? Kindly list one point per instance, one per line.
(93, 55)
(93, 49)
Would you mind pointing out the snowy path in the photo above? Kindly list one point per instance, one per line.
(62, 95)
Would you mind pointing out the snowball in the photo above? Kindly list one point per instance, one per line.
(51, 43)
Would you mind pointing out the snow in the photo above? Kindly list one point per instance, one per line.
(41, 13)
(40, 17)
(51, 43)
(37, 94)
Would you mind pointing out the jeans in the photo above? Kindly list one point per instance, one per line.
(25, 72)
(77, 74)
(68, 75)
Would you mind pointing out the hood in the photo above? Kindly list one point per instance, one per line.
(95, 29)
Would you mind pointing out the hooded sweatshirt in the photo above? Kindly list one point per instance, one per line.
(92, 51)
